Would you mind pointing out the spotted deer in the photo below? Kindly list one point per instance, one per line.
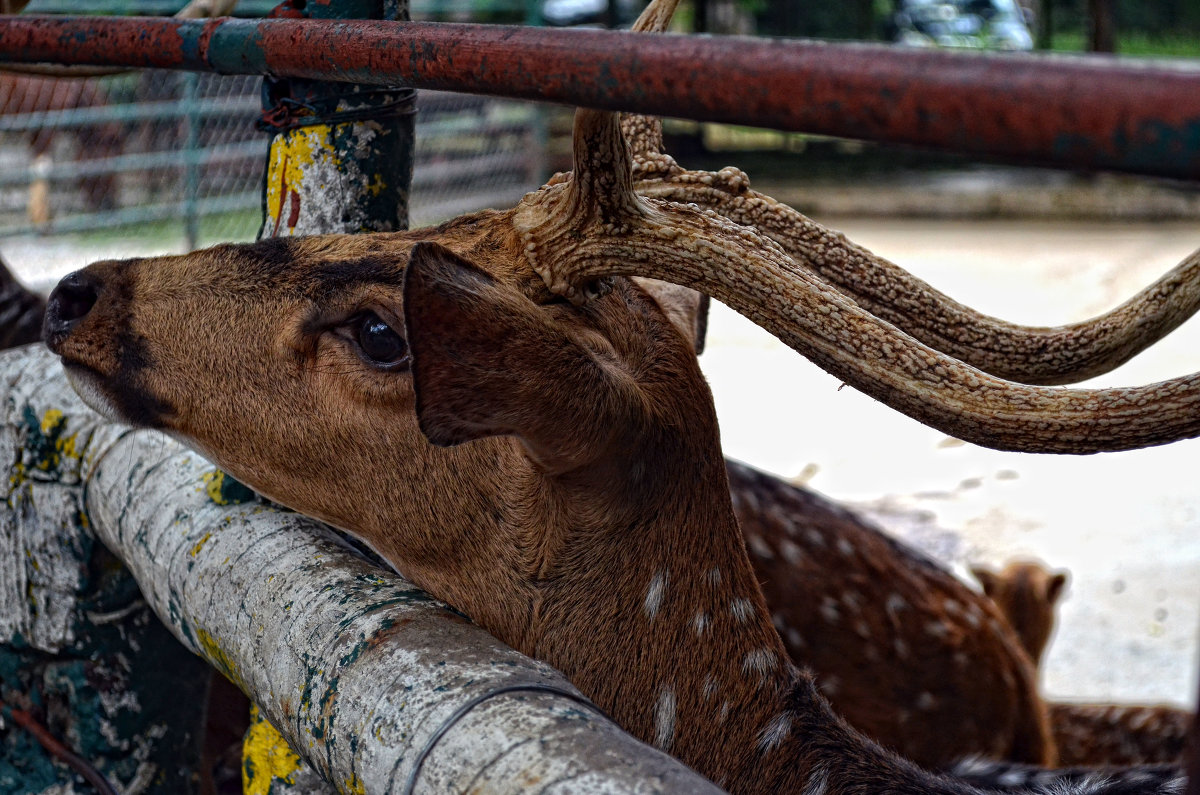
(551, 467)
(900, 647)
(542, 450)
(1085, 734)
(21, 311)
(1026, 593)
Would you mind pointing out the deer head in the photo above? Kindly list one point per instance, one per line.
(1026, 593)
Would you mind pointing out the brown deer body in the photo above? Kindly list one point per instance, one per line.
(901, 648)
(574, 523)
(595, 533)
(1084, 734)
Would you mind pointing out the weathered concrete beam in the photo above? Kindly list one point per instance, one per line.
(360, 671)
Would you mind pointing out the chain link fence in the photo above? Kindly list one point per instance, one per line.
(175, 158)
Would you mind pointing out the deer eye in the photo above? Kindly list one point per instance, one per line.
(380, 345)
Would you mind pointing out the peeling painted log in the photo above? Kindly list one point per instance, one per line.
(358, 669)
(79, 647)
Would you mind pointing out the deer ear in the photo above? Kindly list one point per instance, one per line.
(1055, 585)
(986, 577)
(487, 361)
(686, 309)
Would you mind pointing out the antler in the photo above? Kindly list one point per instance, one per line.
(1028, 354)
(594, 225)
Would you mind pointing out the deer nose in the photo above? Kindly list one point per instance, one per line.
(69, 304)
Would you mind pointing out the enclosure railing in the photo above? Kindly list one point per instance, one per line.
(1076, 112)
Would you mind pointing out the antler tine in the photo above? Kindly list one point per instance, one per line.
(1028, 354)
(656, 17)
(602, 176)
(733, 264)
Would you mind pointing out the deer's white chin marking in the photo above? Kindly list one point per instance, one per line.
(83, 381)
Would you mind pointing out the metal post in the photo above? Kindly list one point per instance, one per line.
(341, 156)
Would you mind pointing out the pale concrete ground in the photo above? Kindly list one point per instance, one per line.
(1124, 524)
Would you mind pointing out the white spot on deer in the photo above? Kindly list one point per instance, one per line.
(852, 600)
(901, 647)
(760, 661)
(937, 629)
(724, 712)
(962, 660)
(700, 622)
(815, 538)
(795, 638)
(829, 610)
(710, 686)
(862, 630)
(830, 685)
(760, 547)
(655, 593)
(845, 547)
(774, 733)
(952, 607)
(742, 609)
(664, 719)
(714, 576)
(894, 604)
(789, 525)
(974, 616)
(926, 701)
(818, 782)
(792, 552)
(779, 621)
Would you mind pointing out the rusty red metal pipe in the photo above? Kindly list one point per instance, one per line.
(1074, 112)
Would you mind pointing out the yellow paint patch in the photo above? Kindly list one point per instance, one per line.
(354, 786)
(50, 422)
(377, 185)
(217, 656)
(293, 154)
(200, 544)
(214, 481)
(266, 757)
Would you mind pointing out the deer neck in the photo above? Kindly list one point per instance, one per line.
(639, 589)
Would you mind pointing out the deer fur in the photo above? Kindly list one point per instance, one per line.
(21, 311)
(556, 519)
(932, 684)
(901, 648)
(1027, 592)
(551, 467)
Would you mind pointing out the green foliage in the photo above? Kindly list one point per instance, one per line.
(1151, 18)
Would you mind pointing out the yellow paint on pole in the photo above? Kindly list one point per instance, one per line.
(217, 656)
(266, 757)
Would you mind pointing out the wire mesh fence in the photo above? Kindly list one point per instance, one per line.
(170, 155)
